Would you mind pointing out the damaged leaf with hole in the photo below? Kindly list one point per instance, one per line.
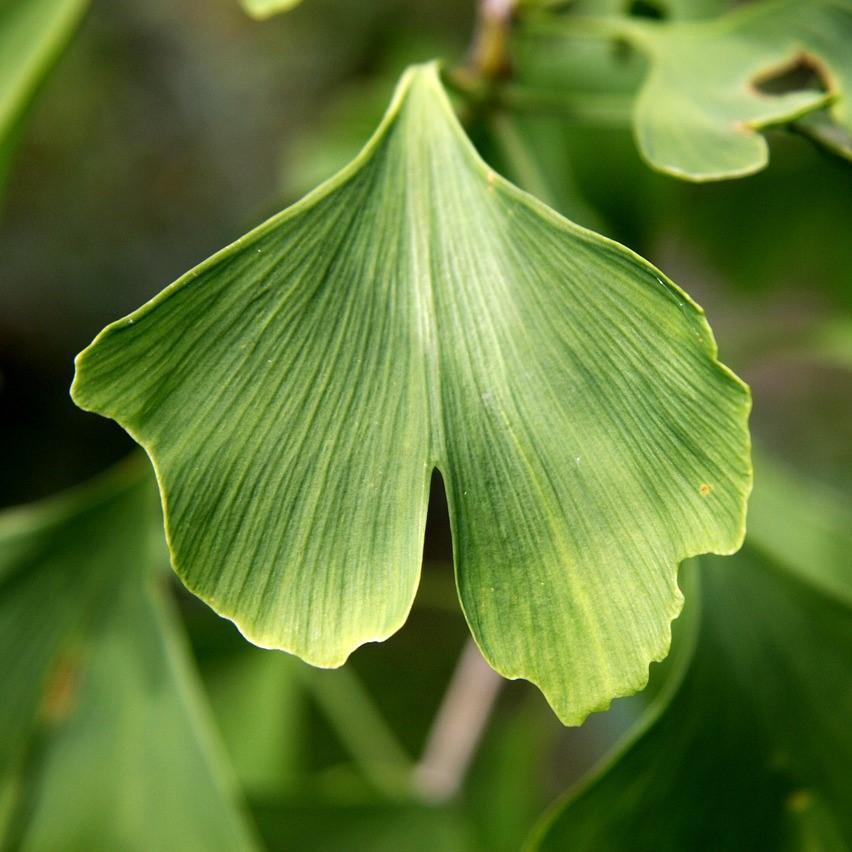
(712, 86)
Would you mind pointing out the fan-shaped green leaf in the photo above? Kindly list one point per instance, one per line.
(296, 391)
(103, 739)
(700, 110)
(752, 747)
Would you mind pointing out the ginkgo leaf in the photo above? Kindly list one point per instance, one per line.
(262, 9)
(296, 391)
(32, 32)
(700, 109)
(749, 746)
(104, 742)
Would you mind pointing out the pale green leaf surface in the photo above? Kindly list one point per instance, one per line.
(296, 391)
(751, 748)
(262, 9)
(104, 740)
(699, 112)
(32, 32)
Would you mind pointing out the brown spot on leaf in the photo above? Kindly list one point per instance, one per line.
(704, 489)
(61, 690)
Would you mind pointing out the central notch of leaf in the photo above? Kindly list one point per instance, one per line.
(296, 391)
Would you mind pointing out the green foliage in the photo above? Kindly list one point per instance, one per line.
(695, 9)
(418, 313)
(701, 107)
(261, 693)
(296, 391)
(373, 827)
(824, 130)
(105, 741)
(749, 746)
(32, 32)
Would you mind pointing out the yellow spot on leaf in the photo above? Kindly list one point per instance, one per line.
(799, 800)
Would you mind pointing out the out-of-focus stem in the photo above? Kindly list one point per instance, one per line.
(489, 52)
(522, 164)
(458, 727)
(359, 724)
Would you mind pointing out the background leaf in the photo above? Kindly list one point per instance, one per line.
(105, 741)
(823, 129)
(260, 693)
(296, 391)
(32, 33)
(700, 108)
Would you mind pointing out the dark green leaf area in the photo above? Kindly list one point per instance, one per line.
(104, 742)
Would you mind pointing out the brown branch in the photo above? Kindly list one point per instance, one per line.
(458, 727)
(489, 53)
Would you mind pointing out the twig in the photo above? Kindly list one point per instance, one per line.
(489, 52)
(458, 727)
